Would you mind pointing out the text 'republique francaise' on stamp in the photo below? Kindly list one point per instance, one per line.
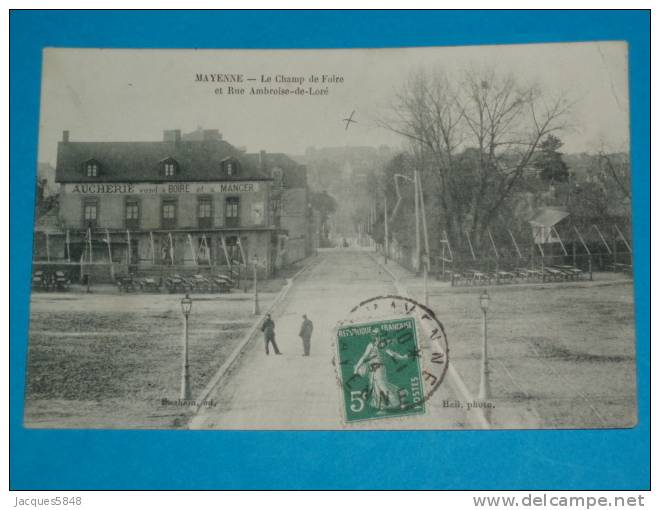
(391, 356)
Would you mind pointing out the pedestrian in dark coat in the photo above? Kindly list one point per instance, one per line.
(306, 334)
(268, 327)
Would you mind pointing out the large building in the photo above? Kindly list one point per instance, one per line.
(187, 202)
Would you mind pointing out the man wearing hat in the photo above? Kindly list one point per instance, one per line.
(268, 327)
(306, 334)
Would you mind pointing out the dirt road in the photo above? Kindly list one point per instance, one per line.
(296, 392)
(561, 355)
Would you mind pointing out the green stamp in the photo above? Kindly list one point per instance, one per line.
(380, 369)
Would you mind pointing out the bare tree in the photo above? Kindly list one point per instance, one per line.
(618, 168)
(477, 135)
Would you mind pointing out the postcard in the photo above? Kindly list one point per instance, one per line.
(355, 239)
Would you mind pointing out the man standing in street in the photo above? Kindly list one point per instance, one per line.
(306, 334)
(268, 327)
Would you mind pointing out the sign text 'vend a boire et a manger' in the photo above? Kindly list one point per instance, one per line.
(161, 188)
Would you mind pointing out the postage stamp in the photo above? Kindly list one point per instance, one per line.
(380, 368)
(390, 365)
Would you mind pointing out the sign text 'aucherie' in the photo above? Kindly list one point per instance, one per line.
(161, 188)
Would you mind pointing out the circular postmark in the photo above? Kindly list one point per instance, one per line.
(391, 356)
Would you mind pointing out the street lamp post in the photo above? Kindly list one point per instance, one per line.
(186, 306)
(255, 311)
(484, 386)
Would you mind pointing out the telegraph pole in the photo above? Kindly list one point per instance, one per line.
(387, 234)
(255, 309)
(417, 232)
(426, 232)
(425, 266)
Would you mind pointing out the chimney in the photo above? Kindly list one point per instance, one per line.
(65, 136)
(211, 134)
(262, 160)
(172, 135)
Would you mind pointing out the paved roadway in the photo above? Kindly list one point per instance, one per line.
(295, 392)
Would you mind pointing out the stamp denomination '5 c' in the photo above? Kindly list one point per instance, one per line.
(380, 369)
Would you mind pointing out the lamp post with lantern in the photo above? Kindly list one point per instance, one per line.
(186, 306)
(484, 386)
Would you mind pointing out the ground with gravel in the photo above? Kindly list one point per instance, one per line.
(108, 360)
(562, 355)
(565, 352)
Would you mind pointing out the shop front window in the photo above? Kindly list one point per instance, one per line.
(90, 213)
(168, 218)
(132, 214)
(232, 210)
(204, 213)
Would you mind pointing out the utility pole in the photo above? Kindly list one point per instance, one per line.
(417, 232)
(255, 310)
(426, 232)
(417, 207)
(387, 234)
(425, 266)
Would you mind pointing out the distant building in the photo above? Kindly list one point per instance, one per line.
(329, 166)
(290, 208)
(46, 176)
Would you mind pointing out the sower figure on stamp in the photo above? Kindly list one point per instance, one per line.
(306, 334)
(383, 394)
(268, 327)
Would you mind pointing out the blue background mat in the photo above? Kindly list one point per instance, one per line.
(88, 459)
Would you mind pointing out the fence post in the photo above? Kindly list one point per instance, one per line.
(574, 255)
(443, 262)
(543, 268)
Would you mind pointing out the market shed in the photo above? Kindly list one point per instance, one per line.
(544, 224)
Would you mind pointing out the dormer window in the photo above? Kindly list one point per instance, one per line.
(169, 167)
(92, 168)
(230, 167)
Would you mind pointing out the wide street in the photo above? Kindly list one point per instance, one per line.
(556, 359)
(295, 392)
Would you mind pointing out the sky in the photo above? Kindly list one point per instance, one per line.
(133, 95)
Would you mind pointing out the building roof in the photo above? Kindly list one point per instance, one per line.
(295, 174)
(548, 217)
(142, 161)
